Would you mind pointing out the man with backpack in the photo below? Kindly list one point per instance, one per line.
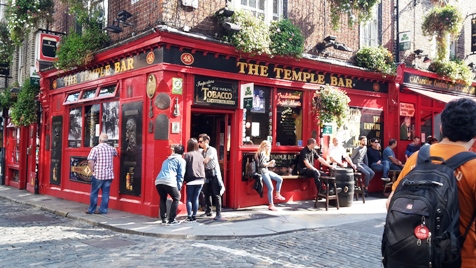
(426, 225)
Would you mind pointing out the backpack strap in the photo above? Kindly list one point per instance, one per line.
(463, 237)
(459, 159)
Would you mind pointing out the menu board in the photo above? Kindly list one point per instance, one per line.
(289, 117)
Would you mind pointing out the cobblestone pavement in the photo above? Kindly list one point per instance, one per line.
(31, 237)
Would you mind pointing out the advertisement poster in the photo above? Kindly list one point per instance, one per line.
(56, 150)
(110, 121)
(79, 169)
(75, 129)
(131, 149)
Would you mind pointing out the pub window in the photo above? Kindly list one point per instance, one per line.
(257, 120)
(75, 128)
(289, 117)
(369, 31)
(267, 10)
(110, 121)
(91, 126)
(88, 94)
(426, 124)
(109, 91)
(73, 97)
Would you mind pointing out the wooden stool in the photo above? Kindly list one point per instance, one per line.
(328, 180)
(393, 175)
(359, 186)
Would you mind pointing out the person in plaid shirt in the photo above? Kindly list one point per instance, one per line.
(100, 161)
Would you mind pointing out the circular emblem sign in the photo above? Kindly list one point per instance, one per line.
(376, 87)
(150, 57)
(187, 58)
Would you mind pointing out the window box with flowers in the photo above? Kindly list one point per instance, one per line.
(377, 59)
(24, 15)
(456, 71)
(330, 105)
(286, 39)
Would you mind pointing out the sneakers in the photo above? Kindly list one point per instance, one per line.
(174, 222)
(208, 214)
(385, 179)
(279, 197)
(272, 208)
(217, 217)
(191, 219)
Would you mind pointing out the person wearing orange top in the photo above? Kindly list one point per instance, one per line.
(458, 127)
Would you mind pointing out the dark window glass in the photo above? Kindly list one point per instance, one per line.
(289, 117)
(88, 94)
(75, 129)
(258, 118)
(91, 125)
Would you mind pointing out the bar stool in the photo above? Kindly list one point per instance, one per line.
(359, 186)
(327, 181)
(393, 175)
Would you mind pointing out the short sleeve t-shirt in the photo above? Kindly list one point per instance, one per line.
(336, 152)
(466, 194)
(310, 155)
(387, 153)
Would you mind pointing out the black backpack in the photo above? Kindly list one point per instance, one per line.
(422, 225)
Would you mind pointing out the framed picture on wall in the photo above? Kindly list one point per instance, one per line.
(407, 127)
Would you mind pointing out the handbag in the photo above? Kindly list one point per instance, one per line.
(210, 173)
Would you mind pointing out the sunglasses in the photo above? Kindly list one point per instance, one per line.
(200, 141)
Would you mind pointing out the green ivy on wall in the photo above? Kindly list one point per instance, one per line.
(24, 110)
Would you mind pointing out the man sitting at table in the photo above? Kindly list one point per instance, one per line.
(337, 152)
(375, 159)
(305, 165)
(389, 155)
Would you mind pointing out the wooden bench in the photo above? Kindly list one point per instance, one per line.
(294, 177)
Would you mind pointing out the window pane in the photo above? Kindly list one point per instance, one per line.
(289, 117)
(92, 121)
(275, 6)
(244, 2)
(75, 130)
(88, 94)
(261, 4)
(110, 120)
(426, 124)
(257, 120)
(72, 97)
(107, 91)
(252, 3)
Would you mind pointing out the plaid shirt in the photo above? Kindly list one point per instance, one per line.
(101, 155)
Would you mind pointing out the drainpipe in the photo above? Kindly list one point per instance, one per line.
(38, 142)
(397, 28)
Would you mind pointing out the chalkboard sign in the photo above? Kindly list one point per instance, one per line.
(289, 118)
(284, 162)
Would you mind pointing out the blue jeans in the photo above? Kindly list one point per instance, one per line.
(267, 176)
(383, 166)
(105, 186)
(367, 172)
(193, 192)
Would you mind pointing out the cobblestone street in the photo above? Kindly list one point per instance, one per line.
(32, 237)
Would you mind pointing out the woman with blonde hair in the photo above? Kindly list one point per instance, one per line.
(262, 159)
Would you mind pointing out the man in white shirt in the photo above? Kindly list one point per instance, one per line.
(337, 152)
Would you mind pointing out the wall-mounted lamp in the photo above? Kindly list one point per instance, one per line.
(176, 108)
(121, 18)
(426, 59)
(472, 67)
(225, 17)
(330, 41)
(419, 54)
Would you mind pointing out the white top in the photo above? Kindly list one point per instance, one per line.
(336, 152)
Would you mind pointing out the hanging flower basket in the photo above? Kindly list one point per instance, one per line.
(330, 105)
(357, 11)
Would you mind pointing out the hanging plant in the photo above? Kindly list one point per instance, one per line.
(286, 39)
(453, 70)
(330, 105)
(77, 48)
(442, 22)
(378, 59)
(24, 15)
(24, 110)
(7, 48)
(6, 99)
(357, 11)
(253, 37)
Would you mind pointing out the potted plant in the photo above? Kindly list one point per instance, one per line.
(453, 70)
(286, 39)
(443, 23)
(24, 110)
(378, 59)
(357, 11)
(331, 105)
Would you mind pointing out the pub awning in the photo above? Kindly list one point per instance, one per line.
(438, 96)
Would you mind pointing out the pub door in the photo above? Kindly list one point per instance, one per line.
(218, 126)
(32, 155)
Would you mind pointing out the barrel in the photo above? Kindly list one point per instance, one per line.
(345, 180)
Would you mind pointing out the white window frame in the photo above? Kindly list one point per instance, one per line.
(268, 14)
(102, 4)
(369, 31)
(3, 3)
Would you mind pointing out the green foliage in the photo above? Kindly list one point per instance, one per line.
(77, 49)
(378, 59)
(441, 22)
(6, 99)
(23, 15)
(254, 34)
(453, 70)
(286, 38)
(357, 11)
(331, 105)
(24, 110)
(7, 48)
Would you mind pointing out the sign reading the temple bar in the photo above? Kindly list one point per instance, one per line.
(46, 45)
(214, 91)
(473, 35)
(440, 85)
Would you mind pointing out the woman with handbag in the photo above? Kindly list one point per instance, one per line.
(194, 178)
(263, 162)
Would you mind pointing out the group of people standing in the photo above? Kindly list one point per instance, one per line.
(200, 171)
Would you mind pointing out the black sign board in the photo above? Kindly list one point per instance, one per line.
(56, 150)
(473, 35)
(131, 149)
(214, 91)
(410, 79)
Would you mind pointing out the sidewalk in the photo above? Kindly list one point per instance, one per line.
(247, 222)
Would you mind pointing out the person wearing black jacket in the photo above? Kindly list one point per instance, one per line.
(376, 162)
